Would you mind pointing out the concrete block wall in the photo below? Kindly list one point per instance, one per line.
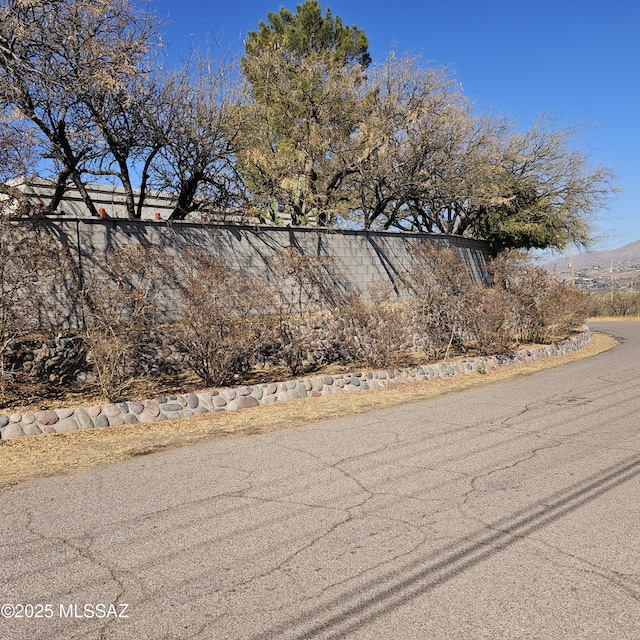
(366, 257)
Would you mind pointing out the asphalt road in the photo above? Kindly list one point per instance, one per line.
(505, 512)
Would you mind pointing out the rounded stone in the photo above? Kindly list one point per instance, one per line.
(171, 407)
(111, 410)
(12, 430)
(282, 396)
(245, 391)
(355, 381)
(316, 384)
(258, 392)
(302, 391)
(65, 425)
(245, 402)
(145, 416)
(94, 412)
(307, 384)
(136, 407)
(187, 413)
(232, 406)
(130, 418)
(28, 418)
(116, 421)
(201, 410)
(272, 388)
(64, 413)
(47, 428)
(31, 430)
(192, 401)
(101, 421)
(47, 417)
(229, 394)
(83, 419)
(124, 407)
(328, 380)
(219, 401)
(4, 421)
(15, 417)
(151, 406)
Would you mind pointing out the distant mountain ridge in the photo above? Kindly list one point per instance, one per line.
(622, 259)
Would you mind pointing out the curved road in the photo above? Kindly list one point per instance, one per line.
(505, 512)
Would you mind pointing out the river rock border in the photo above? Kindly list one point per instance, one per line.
(208, 401)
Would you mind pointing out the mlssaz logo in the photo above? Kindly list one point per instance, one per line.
(99, 611)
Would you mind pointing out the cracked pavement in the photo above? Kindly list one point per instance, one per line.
(502, 512)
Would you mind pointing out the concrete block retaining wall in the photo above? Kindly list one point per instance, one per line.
(365, 257)
(184, 406)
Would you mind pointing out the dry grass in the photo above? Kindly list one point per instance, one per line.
(634, 318)
(27, 458)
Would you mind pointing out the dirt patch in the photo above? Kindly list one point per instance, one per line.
(27, 458)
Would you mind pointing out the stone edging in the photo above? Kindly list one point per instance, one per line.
(184, 406)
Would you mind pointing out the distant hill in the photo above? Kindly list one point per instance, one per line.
(623, 257)
(601, 269)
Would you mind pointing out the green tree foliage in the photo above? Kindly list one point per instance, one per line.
(306, 75)
(299, 35)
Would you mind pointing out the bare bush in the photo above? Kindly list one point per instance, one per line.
(487, 320)
(307, 291)
(541, 308)
(377, 332)
(440, 286)
(223, 321)
(616, 303)
(119, 304)
(32, 265)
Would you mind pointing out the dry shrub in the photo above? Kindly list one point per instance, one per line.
(440, 288)
(375, 332)
(119, 305)
(32, 266)
(541, 308)
(487, 315)
(223, 321)
(565, 309)
(307, 292)
(616, 303)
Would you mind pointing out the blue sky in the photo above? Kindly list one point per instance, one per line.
(577, 60)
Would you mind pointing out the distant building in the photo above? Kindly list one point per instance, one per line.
(110, 201)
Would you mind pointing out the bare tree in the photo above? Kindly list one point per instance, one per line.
(409, 106)
(75, 75)
(197, 161)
